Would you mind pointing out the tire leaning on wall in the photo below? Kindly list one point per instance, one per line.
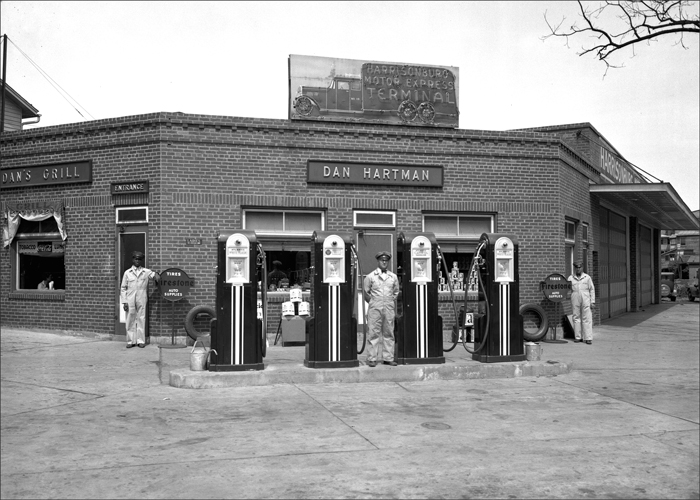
(544, 322)
(193, 315)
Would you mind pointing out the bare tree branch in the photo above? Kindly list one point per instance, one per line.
(617, 25)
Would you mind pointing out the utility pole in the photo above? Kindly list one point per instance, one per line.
(4, 80)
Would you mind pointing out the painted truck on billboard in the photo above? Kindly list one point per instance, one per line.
(416, 95)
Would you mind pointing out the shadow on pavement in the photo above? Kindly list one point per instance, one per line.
(635, 318)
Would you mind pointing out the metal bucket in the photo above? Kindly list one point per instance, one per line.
(199, 357)
(533, 351)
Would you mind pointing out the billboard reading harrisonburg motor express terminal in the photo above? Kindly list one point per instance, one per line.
(348, 90)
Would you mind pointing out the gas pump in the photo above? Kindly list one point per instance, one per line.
(419, 335)
(332, 334)
(500, 331)
(237, 333)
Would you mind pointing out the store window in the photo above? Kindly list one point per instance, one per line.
(132, 215)
(368, 219)
(585, 245)
(40, 253)
(285, 236)
(458, 235)
(458, 225)
(569, 246)
(35, 232)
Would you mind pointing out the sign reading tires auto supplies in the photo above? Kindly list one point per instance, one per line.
(556, 288)
(175, 284)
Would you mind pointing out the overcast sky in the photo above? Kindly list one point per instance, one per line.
(230, 58)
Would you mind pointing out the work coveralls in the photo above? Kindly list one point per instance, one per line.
(582, 296)
(381, 289)
(135, 294)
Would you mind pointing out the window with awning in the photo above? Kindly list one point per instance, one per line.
(34, 211)
(35, 231)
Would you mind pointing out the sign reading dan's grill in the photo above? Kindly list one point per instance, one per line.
(374, 174)
(47, 175)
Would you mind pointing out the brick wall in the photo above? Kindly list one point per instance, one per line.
(120, 149)
(204, 169)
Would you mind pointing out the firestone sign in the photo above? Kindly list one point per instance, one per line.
(556, 288)
(374, 174)
(175, 284)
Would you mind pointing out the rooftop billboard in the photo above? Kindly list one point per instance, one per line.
(349, 90)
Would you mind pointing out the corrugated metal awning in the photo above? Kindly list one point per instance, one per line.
(655, 205)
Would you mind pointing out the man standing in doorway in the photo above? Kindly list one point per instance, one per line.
(134, 297)
(381, 288)
(582, 303)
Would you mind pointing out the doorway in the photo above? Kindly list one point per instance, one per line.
(368, 243)
(129, 239)
(611, 294)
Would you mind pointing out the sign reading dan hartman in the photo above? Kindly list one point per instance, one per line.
(374, 174)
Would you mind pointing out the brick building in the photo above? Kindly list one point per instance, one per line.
(680, 251)
(172, 182)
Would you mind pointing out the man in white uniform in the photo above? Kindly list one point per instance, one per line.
(134, 296)
(582, 303)
(381, 288)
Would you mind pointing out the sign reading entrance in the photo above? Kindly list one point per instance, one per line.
(374, 174)
(556, 288)
(129, 187)
(175, 284)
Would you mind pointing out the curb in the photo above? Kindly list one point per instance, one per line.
(185, 378)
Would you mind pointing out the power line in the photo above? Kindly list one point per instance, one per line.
(53, 83)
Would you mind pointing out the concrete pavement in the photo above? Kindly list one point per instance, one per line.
(83, 417)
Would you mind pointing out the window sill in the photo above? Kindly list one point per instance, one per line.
(50, 296)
